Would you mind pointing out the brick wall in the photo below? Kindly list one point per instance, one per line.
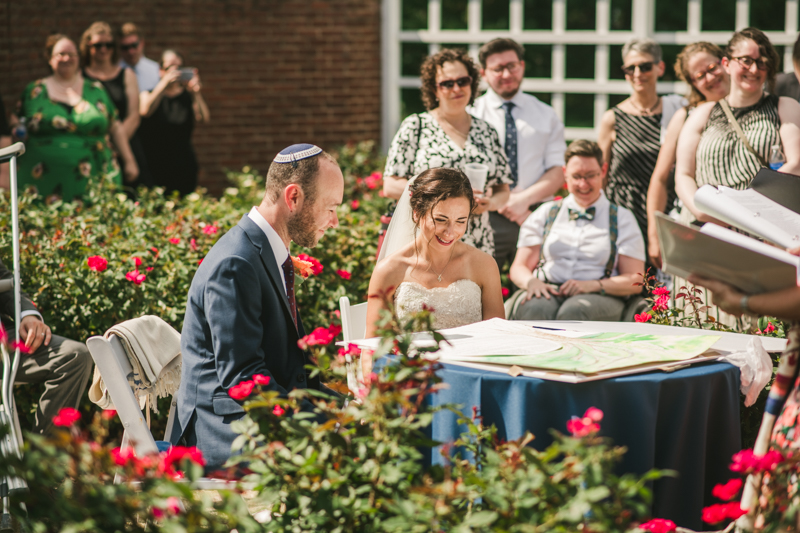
(275, 72)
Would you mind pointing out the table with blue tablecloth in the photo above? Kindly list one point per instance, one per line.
(686, 420)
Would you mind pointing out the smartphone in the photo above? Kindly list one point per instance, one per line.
(187, 73)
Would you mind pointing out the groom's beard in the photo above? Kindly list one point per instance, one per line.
(302, 229)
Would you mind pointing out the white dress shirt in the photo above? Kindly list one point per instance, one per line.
(148, 73)
(540, 133)
(579, 249)
(275, 241)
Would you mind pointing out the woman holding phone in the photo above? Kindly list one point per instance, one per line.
(169, 113)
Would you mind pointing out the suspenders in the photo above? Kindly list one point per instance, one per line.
(613, 232)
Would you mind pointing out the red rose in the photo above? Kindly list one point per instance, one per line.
(643, 317)
(109, 414)
(344, 274)
(350, 349)
(354, 205)
(728, 490)
(661, 291)
(721, 511)
(278, 410)
(137, 262)
(582, 427)
(97, 263)
(505, 292)
(66, 417)
(121, 457)
(260, 379)
(21, 346)
(210, 229)
(316, 266)
(241, 391)
(659, 525)
(136, 277)
(175, 240)
(594, 414)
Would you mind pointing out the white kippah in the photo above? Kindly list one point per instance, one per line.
(296, 152)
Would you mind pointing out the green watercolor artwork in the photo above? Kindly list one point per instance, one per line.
(599, 352)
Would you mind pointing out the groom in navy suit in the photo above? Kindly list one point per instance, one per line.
(241, 317)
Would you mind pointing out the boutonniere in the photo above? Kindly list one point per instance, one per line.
(305, 266)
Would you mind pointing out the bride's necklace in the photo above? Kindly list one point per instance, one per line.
(643, 111)
(441, 116)
(439, 274)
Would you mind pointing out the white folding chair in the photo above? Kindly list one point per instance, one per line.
(112, 362)
(354, 326)
(354, 319)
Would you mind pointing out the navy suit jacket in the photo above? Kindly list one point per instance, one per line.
(237, 324)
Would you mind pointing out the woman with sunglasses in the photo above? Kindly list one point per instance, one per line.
(447, 136)
(710, 151)
(632, 131)
(69, 120)
(699, 65)
(100, 60)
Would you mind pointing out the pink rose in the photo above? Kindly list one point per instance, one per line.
(210, 229)
(242, 390)
(137, 262)
(136, 277)
(278, 410)
(66, 417)
(594, 414)
(659, 525)
(260, 379)
(175, 240)
(643, 317)
(344, 274)
(661, 291)
(728, 490)
(354, 205)
(97, 263)
(505, 292)
(582, 427)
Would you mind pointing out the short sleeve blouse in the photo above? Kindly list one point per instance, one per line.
(579, 249)
(407, 158)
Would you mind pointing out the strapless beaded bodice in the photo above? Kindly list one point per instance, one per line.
(458, 304)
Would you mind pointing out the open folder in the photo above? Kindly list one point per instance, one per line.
(718, 253)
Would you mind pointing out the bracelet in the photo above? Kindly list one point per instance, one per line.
(743, 304)
(602, 289)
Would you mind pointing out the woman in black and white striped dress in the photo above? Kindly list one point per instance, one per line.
(631, 132)
(709, 149)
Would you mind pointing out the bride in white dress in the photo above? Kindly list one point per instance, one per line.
(423, 260)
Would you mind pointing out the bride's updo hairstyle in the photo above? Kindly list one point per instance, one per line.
(437, 185)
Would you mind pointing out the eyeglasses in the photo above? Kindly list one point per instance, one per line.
(461, 82)
(131, 46)
(647, 66)
(510, 67)
(68, 55)
(590, 176)
(108, 45)
(762, 63)
(712, 68)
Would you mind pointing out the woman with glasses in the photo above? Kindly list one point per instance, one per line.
(699, 65)
(100, 60)
(710, 151)
(447, 136)
(69, 119)
(632, 131)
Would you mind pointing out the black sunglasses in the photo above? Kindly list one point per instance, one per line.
(647, 66)
(126, 47)
(107, 45)
(461, 82)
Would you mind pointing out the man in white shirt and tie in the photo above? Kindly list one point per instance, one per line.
(532, 136)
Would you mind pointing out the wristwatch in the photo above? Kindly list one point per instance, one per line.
(743, 304)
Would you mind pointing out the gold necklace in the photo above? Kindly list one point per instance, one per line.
(440, 116)
(439, 274)
(643, 111)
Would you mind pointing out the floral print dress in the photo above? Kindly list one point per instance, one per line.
(67, 147)
(408, 157)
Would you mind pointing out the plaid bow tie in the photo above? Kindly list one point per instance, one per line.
(574, 214)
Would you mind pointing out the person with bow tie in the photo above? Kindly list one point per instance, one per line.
(578, 258)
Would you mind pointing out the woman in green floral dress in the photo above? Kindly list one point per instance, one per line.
(69, 120)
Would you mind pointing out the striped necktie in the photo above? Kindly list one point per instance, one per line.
(511, 141)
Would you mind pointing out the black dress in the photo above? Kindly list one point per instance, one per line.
(115, 88)
(167, 141)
